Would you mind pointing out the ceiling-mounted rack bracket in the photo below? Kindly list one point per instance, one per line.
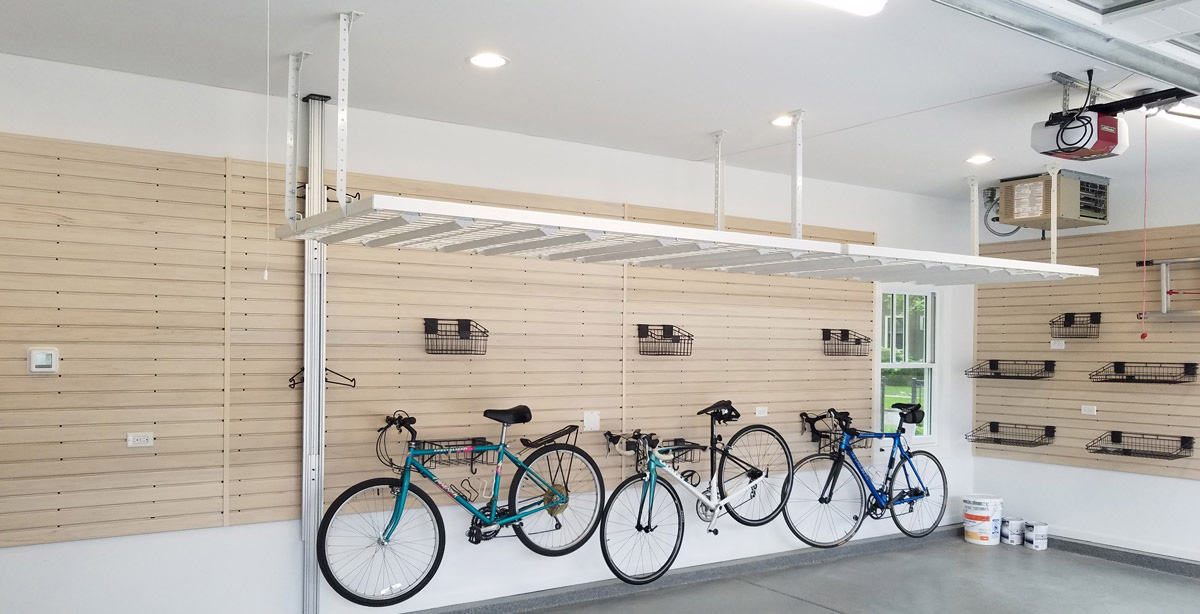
(346, 21)
(295, 64)
(719, 182)
(798, 174)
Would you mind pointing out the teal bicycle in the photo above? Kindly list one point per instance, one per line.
(381, 541)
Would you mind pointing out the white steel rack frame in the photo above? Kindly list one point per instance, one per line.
(412, 223)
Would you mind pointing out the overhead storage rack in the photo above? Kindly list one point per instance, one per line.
(412, 223)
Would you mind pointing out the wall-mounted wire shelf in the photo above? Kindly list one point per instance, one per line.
(444, 336)
(1021, 435)
(845, 342)
(1012, 369)
(338, 379)
(1076, 326)
(1142, 445)
(458, 452)
(663, 340)
(1146, 372)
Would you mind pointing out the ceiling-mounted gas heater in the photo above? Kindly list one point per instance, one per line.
(1082, 200)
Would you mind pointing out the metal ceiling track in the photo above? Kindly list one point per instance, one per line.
(1080, 39)
(412, 223)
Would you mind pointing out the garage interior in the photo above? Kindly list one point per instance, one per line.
(616, 215)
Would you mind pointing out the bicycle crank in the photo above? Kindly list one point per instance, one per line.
(702, 511)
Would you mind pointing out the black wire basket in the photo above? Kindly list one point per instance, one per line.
(1020, 435)
(1076, 326)
(457, 452)
(1143, 445)
(663, 340)
(455, 337)
(845, 342)
(1012, 369)
(1146, 372)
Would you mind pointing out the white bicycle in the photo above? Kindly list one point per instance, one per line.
(642, 527)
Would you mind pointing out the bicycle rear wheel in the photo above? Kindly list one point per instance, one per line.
(754, 449)
(564, 527)
(922, 477)
(355, 559)
(640, 536)
(820, 519)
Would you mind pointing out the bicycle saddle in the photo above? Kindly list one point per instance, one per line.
(721, 411)
(909, 412)
(517, 415)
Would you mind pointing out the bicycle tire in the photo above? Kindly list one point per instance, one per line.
(808, 481)
(934, 501)
(614, 524)
(374, 511)
(589, 496)
(761, 505)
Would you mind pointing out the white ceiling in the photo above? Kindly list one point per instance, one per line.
(895, 101)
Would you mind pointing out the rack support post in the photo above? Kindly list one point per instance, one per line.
(295, 63)
(798, 174)
(312, 482)
(719, 182)
(346, 21)
(1053, 170)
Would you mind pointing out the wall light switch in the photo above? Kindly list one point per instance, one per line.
(139, 440)
(1058, 344)
(591, 420)
(1088, 410)
(760, 411)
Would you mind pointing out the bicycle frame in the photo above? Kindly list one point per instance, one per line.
(880, 498)
(491, 517)
(710, 501)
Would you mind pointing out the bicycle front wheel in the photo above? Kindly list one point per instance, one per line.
(640, 534)
(560, 528)
(825, 517)
(920, 486)
(356, 560)
(753, 451)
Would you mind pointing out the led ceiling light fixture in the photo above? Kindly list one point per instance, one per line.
(980, 159)
(783, 120)
(488, 60)
(862, 8)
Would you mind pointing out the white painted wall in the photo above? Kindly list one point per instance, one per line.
(256, 568)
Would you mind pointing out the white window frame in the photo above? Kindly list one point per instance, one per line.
(931, 348)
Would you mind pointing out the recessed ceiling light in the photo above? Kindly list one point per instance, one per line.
(862, 8)
(489, 60)
(980, 159)
(783, 120)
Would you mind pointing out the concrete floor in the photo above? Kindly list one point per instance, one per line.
(945, 576)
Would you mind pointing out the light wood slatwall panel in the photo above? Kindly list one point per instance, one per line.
(145, 269)
(1012, 323)
(116, 257)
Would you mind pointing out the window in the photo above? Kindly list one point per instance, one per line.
(906, 356)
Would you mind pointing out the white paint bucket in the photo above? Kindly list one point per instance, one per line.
(1012, 531)
(981, 519)
(1037, 535)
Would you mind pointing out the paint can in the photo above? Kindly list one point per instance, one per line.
(981, 519)
(1037, 535)
(1012, 531)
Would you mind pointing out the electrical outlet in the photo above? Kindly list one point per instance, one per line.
(1058, 345)
(1088, 410)
(760, 411)
(591, 420)
(139, 440)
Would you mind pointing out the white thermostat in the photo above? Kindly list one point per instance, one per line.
(43, 360)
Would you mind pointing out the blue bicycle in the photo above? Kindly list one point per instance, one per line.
(381, 541)
(828, 500)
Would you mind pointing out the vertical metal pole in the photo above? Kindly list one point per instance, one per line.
(312, 479)
(973, 185)
(295, 62)
(798, 175)
(719, 182)
(346, 20)
(1053, 170)
(1164, 280)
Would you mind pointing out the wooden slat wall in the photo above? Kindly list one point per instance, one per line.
(1012, 323)
(146, 270)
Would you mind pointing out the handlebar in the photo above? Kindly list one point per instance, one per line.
(400, 420)
(631, 442)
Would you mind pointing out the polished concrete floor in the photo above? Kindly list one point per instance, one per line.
(947, 576)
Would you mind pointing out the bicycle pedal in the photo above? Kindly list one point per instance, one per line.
(714, 531)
